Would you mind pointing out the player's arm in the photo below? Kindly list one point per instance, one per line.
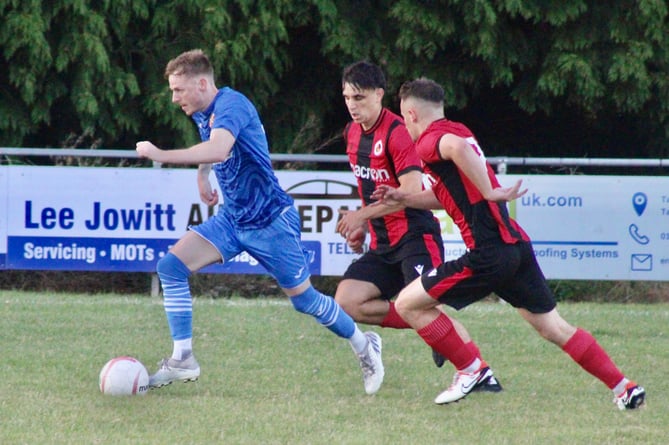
(425, 199)
(410, 182)
(208, 195)
(471, 162)
(216, 149)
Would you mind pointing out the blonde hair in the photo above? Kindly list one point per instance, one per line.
(190, 63)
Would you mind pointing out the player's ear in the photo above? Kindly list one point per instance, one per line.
(413, 116)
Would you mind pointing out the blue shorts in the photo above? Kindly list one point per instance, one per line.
(277, 247)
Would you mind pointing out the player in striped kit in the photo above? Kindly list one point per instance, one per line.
(404, 242)
(499, 259)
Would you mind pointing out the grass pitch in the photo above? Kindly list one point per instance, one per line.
(273, 376)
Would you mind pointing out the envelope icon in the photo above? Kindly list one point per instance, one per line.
(642, 261)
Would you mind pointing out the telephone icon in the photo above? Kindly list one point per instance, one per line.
(636, 236)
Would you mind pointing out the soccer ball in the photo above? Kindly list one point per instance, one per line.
(124, 376)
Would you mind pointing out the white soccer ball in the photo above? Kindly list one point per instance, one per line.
(124, 376)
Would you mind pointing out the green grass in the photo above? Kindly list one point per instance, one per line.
(272, 376)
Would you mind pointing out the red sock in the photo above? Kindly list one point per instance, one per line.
(442, 336)
(474, 349)
(584, 349)
(393, 319)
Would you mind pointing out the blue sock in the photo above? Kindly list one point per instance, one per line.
(325, 310)
(177, 300)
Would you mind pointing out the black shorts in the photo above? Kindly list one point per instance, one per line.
(392, 271)
(509, 270)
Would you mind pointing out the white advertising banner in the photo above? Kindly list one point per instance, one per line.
(590, 227)
(125, 219)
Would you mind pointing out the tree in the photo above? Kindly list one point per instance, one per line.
(532, 77)
(602, 62)
(68, 70)
(80, 66)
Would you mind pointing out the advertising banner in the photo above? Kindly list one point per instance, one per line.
(590, 227)
(4, 213)
(125, 219)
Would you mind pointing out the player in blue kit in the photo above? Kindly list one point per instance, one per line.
(257, 216)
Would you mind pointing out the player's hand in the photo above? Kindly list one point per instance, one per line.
(385, 194)
(356, 240)
(208, 195)
(146, 149)
(349, 222)
(507, 193)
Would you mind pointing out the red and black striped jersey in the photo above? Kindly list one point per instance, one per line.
(481, 222)
(380, 156)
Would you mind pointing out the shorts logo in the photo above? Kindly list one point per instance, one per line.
(419, 269)
(299, 273)
(378, 148)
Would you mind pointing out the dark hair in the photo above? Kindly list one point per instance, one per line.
(190, 63)
(364, 75)
(422, 88)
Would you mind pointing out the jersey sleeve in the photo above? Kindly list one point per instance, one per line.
(232, 113)
(427, 147)
(402, 151)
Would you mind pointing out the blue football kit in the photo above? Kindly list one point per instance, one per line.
(256, 216)
(252, 196)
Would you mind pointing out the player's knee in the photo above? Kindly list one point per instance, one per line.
(171, 268)
(311, 302)
(356, 298)
(347, 304)
(402, 306)
(408, 307)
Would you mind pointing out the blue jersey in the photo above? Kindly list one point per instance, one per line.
(252, 197)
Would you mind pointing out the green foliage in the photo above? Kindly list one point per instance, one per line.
(81, 64)
(65, 72)
(600, 59)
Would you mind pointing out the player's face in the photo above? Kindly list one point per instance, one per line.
(364, 106)
(409, 116)
(188, 92)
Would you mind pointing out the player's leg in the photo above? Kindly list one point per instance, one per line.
(423, 257)
(361, 300)
(457, 284)
(421, 311)
(584, 349)
(488, 384)
(418, 257)
(189, 254)
(536, 305)
(437, 329)
(366, 289)
(279, 249)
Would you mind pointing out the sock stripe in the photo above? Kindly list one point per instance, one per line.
(177, 300)
(325, 310)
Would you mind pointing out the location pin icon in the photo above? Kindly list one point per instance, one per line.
(639, 201)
